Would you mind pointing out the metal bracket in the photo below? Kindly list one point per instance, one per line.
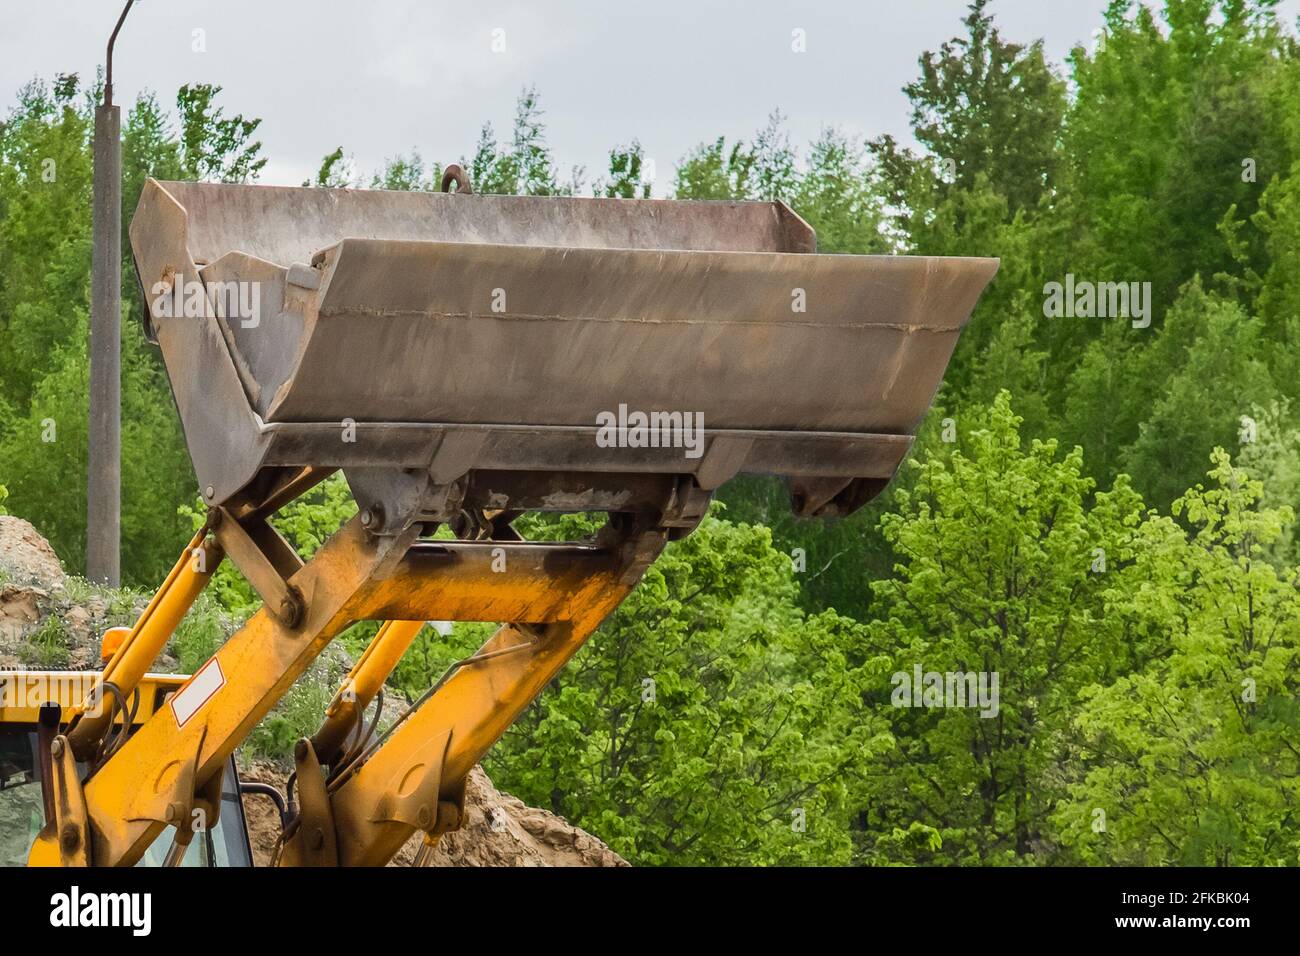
(689, 505)
(412, 795)
(451, 813)
(391, 499)
(316, 843)
(65, 838)
(265, 559)
(176, 804)
(832, 497)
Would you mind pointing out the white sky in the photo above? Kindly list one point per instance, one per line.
(383, 76)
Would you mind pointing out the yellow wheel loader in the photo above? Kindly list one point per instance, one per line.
(30, 705)
(462, 359)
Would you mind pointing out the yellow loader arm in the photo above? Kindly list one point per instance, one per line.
(412, 778)
(168, 773)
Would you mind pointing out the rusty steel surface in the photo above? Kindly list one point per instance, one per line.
(583, 330)
(287, 224)
(462, 332)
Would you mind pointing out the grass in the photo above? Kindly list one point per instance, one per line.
(49, 646)
(78, 590)
(121, 607)
(203, 630)
(298, 714)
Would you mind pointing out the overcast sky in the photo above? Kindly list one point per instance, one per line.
(383, 76)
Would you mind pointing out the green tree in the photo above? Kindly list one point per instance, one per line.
(44, 455)
(1166, 113)
(215, 147)
(1278, 289)
(839, 197)
(1202, 374)
(408, 172)
(1004, 554)
(1271, 452)
(1192, 759)
(985, 106)
(775, 173)
(335, 171)
(707, 721)
(989, 115)
(45, 176)
(149, 149)
(44, 232)
(626, 174)
(527, 167)
(714, 171)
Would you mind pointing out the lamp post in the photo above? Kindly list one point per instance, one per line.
(104, 472)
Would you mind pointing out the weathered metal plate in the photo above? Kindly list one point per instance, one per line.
(501, 334)
(287, 224)
(463, 332)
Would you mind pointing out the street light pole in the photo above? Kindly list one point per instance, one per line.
(104, 472)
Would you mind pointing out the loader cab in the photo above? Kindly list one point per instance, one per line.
(21, 804)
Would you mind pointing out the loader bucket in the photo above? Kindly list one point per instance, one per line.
(448, 349)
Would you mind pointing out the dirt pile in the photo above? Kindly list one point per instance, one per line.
(25, 555)
(499, 830)
(25, 558)
(51, 619)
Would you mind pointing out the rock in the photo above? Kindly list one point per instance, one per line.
(20, 608)
(25, 555)
(78, 622)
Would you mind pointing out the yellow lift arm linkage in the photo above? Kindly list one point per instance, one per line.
(374, 798)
